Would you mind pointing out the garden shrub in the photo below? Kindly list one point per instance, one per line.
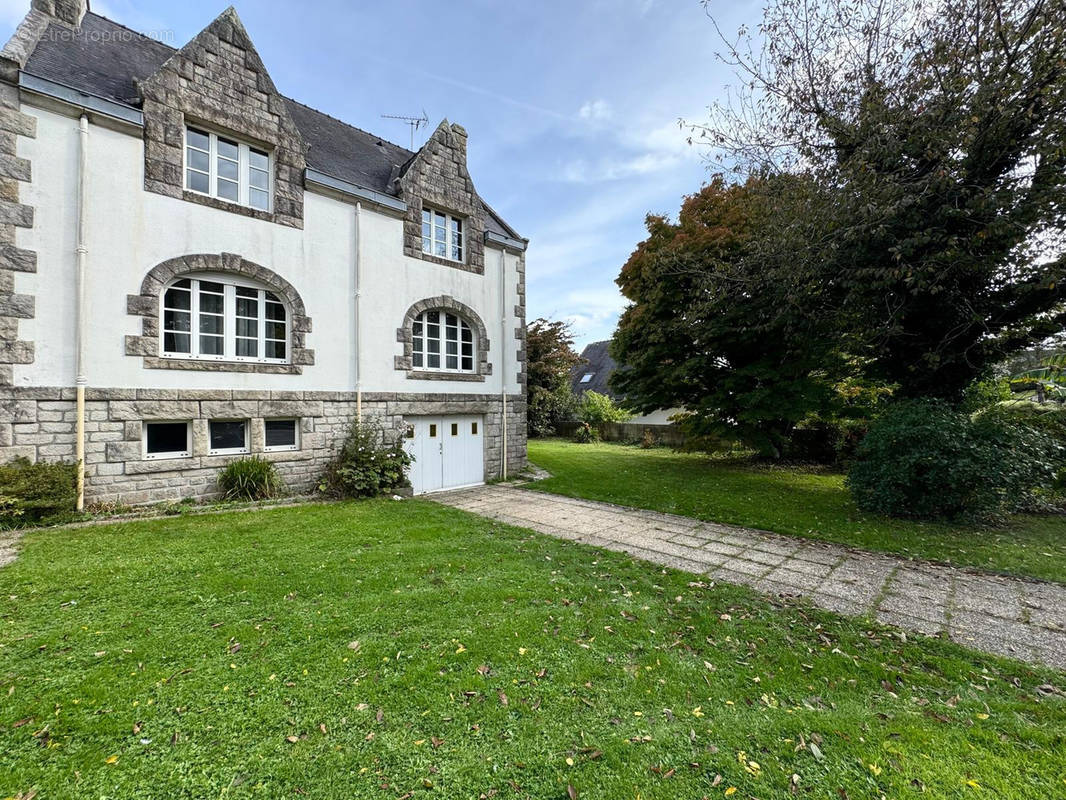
(367, 465)
(1047, 417)
(830, 442)
(586, 434)
(37, 494)
(924, 459)
(597, 410)
(250, 478)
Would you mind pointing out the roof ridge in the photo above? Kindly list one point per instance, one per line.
(286, 97)
(134, 32)
(347, 124)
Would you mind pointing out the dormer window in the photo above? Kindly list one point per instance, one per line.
(442, 235)
(222, 167)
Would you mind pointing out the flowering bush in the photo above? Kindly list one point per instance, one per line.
(367, 465)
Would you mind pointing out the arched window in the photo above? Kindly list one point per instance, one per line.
(442, 341)
(218, 318)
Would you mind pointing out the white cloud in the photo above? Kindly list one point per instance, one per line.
(608, 169)
(595, 110)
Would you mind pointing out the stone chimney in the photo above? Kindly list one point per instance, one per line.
(69, 11)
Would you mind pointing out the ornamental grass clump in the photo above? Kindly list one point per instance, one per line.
(250, 478)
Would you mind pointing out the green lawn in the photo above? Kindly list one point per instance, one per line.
(797, 501)
(214, 656)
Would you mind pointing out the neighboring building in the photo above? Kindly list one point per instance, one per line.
(594, 374)
(220, 270)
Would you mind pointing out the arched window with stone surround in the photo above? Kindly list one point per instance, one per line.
(219, 312)
(222, 318)
(443, 339)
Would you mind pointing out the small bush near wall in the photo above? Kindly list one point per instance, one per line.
(367, 465)
(37, 494)
(250, 479)
(598, 410)
(925, 459)
(586, 434)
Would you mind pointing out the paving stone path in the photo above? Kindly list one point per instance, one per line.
(1007, 616)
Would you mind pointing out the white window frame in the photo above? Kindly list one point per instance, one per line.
(186, 453)
(229, 324)
(448, 242)
(284, 448)
(244, 169)
(230, 451)
(425, 339)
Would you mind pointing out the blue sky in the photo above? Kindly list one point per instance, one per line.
(572, 107)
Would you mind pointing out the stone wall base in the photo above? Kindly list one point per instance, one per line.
(39, 424)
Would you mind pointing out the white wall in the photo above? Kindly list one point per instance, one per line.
(661, 416)
(130, 230)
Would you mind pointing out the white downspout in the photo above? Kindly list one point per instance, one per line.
(503, 356)
(358, 292)
(82, 251)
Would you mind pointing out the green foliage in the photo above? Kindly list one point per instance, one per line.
(985, 394)
(1048, 418)
(44, 493)
(923, 459)
(726, 324)
(550, 356)
(596, 410)
(367, 465)
(547, 408)
(586, 434)
(935, 132)
(250, 478)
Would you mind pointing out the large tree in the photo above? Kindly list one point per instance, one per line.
(936, 132)
(550, 355)
(723, 323)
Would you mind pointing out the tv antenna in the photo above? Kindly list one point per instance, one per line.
(414, 122)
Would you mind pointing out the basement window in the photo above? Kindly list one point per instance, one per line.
(221, 167)
(280, 435)
(167, 440)
(227, 436)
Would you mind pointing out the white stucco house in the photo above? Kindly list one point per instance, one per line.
(194, 267)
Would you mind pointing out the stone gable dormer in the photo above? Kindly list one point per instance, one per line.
(218, 81)
(437, 177)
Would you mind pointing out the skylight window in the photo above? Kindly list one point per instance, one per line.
(587, 377)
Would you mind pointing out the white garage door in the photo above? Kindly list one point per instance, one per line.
(448, 452)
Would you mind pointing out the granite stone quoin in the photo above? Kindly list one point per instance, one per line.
(275, 321)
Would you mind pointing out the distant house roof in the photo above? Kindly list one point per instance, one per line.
(107, 60)
(594, 374)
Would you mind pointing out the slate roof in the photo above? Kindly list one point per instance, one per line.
(600, 365)
(106, 59)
